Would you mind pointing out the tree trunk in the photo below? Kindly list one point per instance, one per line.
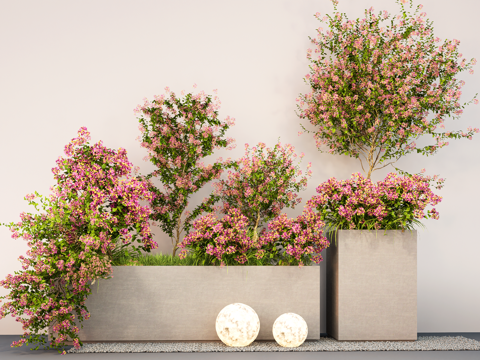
(255, 235)
(176, 240)
(370, 170)
(370, 159)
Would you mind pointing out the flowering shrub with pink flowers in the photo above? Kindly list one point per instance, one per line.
(178, 133)
(222, 241)
(94, 211)
(391, 204)
(301, 240)
(374, 85)
(265, 181)
(229, 241)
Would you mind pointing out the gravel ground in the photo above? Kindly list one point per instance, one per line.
(424, 343)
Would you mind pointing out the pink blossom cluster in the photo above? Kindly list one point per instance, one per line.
(93, 211)
(178, 133)
(372, 91)
(228, 241)
(265, 181)
(224, 240)
(301, 239)
(102, 178)
(358, 203)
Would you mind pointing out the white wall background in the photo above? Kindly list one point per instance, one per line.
(67, 64)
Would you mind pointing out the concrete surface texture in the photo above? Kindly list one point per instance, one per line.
(372, 285)
(182, 302)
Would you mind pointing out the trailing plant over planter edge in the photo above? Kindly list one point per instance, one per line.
(92, 215)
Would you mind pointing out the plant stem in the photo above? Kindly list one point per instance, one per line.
(372, 161)
(176, 240)
(255, 235)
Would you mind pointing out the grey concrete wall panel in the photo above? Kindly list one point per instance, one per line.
(372, 285)
(182, 302)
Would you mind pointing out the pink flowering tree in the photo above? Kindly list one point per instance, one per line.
(178, 133)
(265, 181)
(93, 213)
(375, 83)
(396, 203)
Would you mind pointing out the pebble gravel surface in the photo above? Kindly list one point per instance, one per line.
(424, 343)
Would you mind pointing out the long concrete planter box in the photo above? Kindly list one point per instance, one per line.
(181, 303)
(372, 285)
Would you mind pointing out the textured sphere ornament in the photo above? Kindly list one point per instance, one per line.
(237, 325)
(290, 330)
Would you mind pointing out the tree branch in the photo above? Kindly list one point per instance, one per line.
(390, 163)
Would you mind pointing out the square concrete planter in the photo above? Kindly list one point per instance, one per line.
(181, 303)
(372, 285)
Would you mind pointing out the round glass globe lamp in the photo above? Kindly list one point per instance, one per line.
(237, 325)
(290, 330)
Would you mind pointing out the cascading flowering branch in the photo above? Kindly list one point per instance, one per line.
(178, 133)
(392, 204)
(227, 242)
(265, 181)
(374, 86)
(94, 211)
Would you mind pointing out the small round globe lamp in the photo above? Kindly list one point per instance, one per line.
(237, 325)
(290, 330)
